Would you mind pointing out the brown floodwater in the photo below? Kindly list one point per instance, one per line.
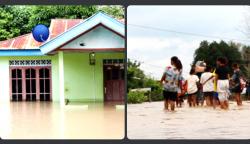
(47, 120)
(150, 121)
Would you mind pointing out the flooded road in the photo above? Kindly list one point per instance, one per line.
(47, 120)
(150, 121)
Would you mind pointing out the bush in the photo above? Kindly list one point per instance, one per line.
(157, 95)
(136, 97)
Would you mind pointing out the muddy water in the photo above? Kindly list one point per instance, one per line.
(40, 120)
(150, 121)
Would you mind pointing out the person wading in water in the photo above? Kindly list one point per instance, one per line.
(222, 79)
(236, 84)
(171, 80)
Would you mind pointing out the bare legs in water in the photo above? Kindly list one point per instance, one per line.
(238, 99)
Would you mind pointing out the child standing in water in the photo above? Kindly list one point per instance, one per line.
(222, 79)
(192, 88)
(207, 85)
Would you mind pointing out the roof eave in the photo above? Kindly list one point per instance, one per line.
(21, 52)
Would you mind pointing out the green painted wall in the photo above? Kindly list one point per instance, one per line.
(4, 75)
(84, 82)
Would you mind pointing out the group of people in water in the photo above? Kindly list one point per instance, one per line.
(204, 83)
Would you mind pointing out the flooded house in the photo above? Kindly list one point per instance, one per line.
(82, 61)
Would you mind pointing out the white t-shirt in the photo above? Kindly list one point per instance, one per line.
(209, 85)
(192, 84)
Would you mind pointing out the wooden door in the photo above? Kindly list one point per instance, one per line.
(114, 84)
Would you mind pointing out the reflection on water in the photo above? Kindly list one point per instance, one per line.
(40, 120)
(150, 121)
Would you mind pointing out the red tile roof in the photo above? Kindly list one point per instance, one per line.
(57, 27)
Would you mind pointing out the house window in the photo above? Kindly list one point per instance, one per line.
(44, 80)
(30, 75)
(114, 69)
(30, 82)
(16, 82)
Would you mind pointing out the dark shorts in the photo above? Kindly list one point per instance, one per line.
(193, 94)
(236, 89)
(170, 95)
(208, 94)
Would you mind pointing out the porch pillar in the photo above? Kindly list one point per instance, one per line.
(61, 78)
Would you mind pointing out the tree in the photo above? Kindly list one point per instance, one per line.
(44, 14)
(116, 11)
(137, 79)
(135, 76)
(5, 27)
(209, 52)
(19, 20)
(246, 59)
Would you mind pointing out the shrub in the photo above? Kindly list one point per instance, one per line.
(157, 95)
(136, 97)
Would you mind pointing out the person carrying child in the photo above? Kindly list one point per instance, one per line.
(171, 80)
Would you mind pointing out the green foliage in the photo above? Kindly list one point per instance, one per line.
(209, 52)
(136, 97)
(137, 79)
(156, 89)
(5, 26)
(116, 11)
(246, 59)
(19, 20)
(43, 14)
(156, 95)
(135, 76)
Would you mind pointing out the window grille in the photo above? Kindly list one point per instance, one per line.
(30, 62)
(113, 61)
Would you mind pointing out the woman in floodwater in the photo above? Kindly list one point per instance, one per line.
(222, 79)
(171, 79)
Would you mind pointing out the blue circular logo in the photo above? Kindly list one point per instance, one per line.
(40, 33)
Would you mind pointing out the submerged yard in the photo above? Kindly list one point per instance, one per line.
(150, 121)
(47, 120)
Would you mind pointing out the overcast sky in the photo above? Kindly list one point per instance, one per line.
(155, 47)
